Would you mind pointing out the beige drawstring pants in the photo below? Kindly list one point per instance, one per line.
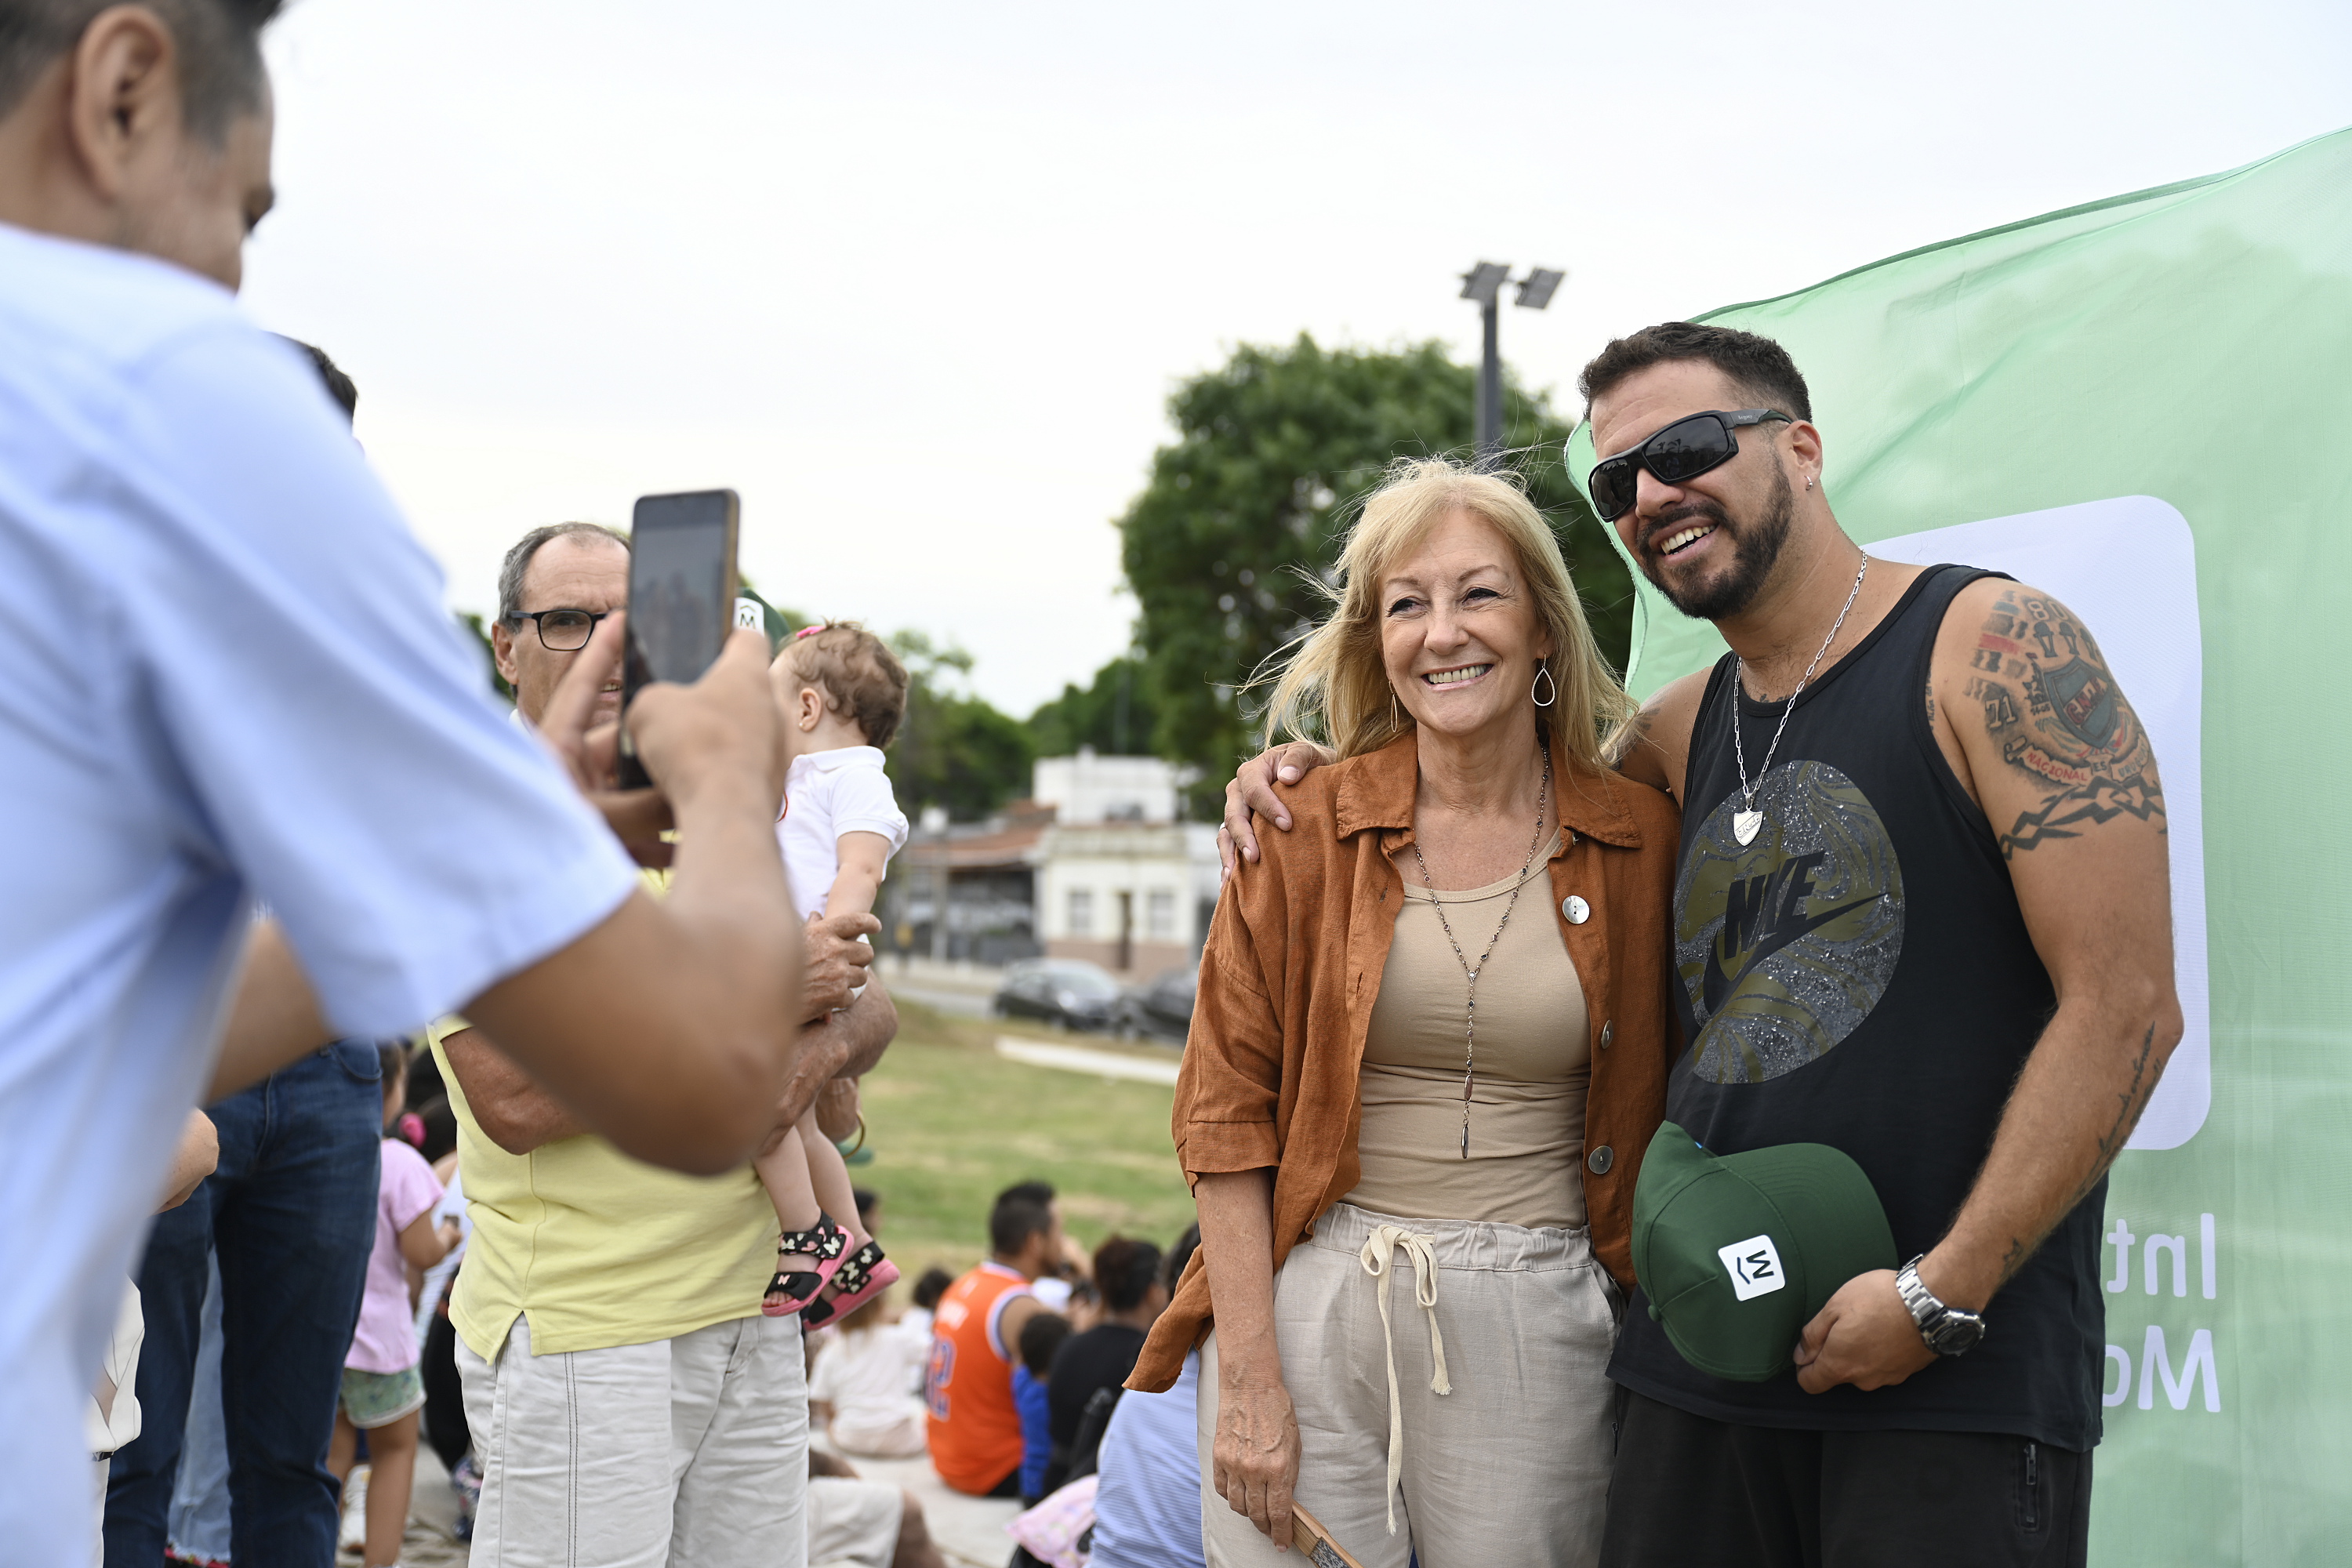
(1510, 1465)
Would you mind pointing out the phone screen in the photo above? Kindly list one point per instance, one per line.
(681, 595)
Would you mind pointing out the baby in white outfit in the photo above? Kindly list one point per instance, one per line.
(843, 694)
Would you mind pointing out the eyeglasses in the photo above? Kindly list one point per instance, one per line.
(564, 631)
(1682, 450)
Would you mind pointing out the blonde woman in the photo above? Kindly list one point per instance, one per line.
(1430, 1045)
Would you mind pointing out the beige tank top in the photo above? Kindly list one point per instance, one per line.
(1535, 1065)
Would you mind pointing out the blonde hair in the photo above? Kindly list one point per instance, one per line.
(859, 674)
(1334, 686)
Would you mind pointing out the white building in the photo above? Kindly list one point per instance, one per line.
(1088, 788)
(1120, 879)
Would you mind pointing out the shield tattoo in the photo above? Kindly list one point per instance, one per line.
(2084, 701)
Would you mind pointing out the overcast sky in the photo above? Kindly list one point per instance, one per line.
(917, 281)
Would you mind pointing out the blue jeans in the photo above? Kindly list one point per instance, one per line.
(290, 1213)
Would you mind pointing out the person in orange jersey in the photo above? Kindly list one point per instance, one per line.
(975, 1429)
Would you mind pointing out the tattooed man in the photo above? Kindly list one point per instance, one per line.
(1922, 915)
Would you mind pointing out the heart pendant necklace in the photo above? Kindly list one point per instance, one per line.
(1747, 822)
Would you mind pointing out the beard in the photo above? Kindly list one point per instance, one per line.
(1754, 551)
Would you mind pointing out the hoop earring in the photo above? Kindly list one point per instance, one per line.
(1396, 721)
(1543, 678)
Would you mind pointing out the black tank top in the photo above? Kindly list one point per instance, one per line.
(1860, 976)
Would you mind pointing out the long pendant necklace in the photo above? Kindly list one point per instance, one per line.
(1470, 1006)
(1747, 823)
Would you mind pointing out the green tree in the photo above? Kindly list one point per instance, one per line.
(1273, 450)
(954, 750)
(1114, 714)
(479, 630)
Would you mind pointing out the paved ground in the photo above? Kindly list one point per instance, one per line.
(970, 1531)
(432, 1515)
(1146, 1065)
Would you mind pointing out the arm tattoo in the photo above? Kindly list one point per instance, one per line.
(2053, 708)
(2131, 1100)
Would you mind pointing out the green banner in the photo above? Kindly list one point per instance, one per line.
(2143, 407)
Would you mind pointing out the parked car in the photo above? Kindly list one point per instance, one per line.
(1161, 1010)
(1066, 991)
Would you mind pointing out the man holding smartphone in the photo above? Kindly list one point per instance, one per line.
(230, 678)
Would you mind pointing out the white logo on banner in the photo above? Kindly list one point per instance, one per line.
(2128, 568)
(1754, 1266)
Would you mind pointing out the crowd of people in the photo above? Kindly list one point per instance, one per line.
(610, 1316)
(521, 1091)
(1024, 1376)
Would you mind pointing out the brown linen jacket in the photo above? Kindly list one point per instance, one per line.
(1293, 966)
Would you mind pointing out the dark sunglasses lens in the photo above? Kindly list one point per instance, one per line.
(1612, 486)
(1687, 449)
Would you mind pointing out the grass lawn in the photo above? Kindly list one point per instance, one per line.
(951, 1123)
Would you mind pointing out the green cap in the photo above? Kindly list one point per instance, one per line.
(1737, 1253)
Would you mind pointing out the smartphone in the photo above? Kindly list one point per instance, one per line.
(681, 598)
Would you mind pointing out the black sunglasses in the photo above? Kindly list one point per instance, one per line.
(1682, 450)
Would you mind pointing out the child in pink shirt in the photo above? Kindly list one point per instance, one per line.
(383, 1391)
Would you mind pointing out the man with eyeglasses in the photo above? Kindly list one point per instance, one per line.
(230, 681)
(571, 576)
(1923, 916)
(608, 1314)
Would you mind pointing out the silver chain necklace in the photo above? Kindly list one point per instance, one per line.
(1746, 824)
(1470, 1006)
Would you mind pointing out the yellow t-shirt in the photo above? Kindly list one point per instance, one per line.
(597, 1248)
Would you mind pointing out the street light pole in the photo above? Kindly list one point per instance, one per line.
(1490, 383)
(1485, 283)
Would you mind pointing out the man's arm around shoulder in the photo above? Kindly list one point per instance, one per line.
(1656, 746)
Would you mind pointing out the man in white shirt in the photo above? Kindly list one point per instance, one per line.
(230, 680)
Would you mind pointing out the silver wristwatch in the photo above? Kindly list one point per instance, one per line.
(1947, 1330)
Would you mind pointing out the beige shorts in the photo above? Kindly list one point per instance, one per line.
(1511, 1467)
(689, 1452)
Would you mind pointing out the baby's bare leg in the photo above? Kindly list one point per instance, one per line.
(785, 1171)
(829, 1175)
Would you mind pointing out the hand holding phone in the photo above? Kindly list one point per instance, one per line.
(681, 599)
(723, 730)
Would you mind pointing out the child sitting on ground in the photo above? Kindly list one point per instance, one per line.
(857, 1386)
(842, 694)
(1041, 1339)
(383, 1391)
